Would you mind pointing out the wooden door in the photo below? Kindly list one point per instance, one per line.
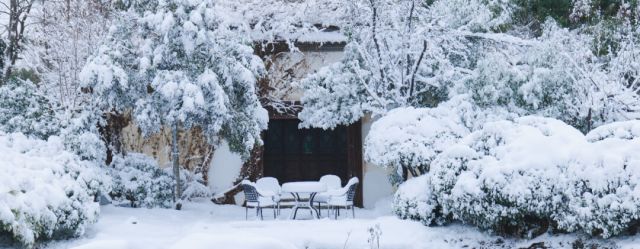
(292, 154)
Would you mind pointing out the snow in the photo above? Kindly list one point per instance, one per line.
(323, 37)
(202, 224)
(304, 187)
(225, 168)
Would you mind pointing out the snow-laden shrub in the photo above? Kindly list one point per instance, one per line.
(622, 130)
(414, 200)
(138, 180)
(412, 137)
(45, 191)
(24, 110)
(509, 186)
(193, 185)
(603, 183)
(522, 177)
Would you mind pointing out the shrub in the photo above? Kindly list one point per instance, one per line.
(410, 138)
(46, 192)
(414, 200)
(24, 110)
(138, 180)
(522, 177)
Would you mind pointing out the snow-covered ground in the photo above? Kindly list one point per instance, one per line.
(205, 225)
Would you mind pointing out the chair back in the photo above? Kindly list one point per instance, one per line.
(250, 191)
(352, 185)
(332, 181)
(269, 183)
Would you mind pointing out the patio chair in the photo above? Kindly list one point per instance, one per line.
(334, 184)
(258, 199)
(344, 198)
(271, 184)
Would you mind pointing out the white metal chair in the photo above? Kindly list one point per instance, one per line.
(344, 197)
(258, 199)
(334, 184)
(271, 184)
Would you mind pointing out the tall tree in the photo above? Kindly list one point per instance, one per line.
(176, 65)
(62, 35)
(17, 12)
(400, 53)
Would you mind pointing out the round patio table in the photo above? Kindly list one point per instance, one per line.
(298, 188)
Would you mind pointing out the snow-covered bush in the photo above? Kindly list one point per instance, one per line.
(139, 180)
(193, 185)
(410, 138)
(414, 200)
(45, 192)
(604, 182)
(622, 130)
(24, 110)
(525, 176)
(508, 182)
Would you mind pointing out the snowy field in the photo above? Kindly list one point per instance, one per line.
(205, 225)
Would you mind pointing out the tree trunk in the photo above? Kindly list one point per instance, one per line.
(175, 154)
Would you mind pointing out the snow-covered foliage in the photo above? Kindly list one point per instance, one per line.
(60, 37)
(194, 186)
(405, 54)
(410, 138)
(175, 63)
(414, 200)
(138, 180)
(556, 75)
(46, 191)
(525, 176)
(23, 109)
(81, 135)
(621, 130)
(282, 20)
(400, 53)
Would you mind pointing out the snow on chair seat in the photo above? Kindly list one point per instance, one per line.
(343, 198)
(334, 184)
(271, 184)
(258, 199)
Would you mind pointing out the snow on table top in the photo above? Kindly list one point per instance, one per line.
(304, 187)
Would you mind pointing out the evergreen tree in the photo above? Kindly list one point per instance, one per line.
(179, 68)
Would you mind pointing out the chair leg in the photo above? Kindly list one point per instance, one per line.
(335, 212)
(261, 216)
(274, 212)
(246, 212)
(353, 212)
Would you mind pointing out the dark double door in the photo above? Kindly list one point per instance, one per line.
(292, 154)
